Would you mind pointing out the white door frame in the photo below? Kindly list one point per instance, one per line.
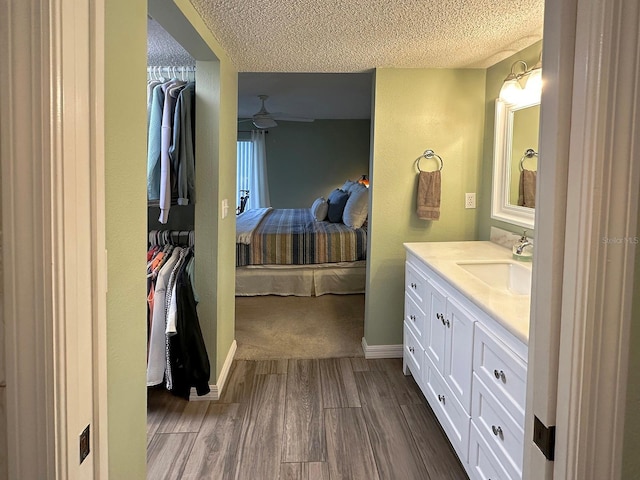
(602, 202)
(53, 236)
(583, 285)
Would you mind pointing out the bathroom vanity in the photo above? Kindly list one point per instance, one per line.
(466, 330)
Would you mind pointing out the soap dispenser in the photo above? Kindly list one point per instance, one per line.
(523, 249)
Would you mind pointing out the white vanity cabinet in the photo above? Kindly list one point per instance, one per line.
(445, 343)
(470, 368)
(498, 403)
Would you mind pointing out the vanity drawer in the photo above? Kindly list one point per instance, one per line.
(413, 354)
(502, 371)
(452, 417)
(483, 465)
(501, 432)
(414, 317)
(415, 282)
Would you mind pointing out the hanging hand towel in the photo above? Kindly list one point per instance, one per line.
(428, 201)
(527, 188)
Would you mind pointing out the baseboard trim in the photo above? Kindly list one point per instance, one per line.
(216, 389)
(381, 351)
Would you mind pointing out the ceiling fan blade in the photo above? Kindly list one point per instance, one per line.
(291, 118)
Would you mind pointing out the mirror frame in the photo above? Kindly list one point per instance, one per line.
(501, 208)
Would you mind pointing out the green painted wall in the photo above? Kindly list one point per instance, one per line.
(495, 77)
(416, 110)
(308, 160)
(125, 120)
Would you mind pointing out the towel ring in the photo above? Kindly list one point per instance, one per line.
(429, 154)
(529, 153)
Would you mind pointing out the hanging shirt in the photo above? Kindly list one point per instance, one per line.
(157, 342)
(154, 143)
(182, 151)
(166, 137)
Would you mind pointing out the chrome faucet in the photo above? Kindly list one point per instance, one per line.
(522, 243)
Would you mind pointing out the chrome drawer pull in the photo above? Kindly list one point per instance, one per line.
(440, 317)
(497, 431)
(441, 398)
(500, 376)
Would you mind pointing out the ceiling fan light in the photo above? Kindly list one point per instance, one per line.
(264, 121)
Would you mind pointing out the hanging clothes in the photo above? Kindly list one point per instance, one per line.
(177, 355)
(188, 359)
(170, 144)
(182, 151)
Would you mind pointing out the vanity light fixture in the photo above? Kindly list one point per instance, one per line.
(524, 86)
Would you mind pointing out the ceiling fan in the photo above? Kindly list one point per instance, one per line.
(265, 119)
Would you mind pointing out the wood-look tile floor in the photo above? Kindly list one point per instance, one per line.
(342, 418)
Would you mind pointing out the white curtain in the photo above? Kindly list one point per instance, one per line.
(258, 184)
(252, 171)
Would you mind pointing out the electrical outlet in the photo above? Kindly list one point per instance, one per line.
(469, 200)
(225, 208)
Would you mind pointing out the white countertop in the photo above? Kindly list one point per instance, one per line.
(511, 310)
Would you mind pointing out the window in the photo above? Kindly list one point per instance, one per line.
(251, 176)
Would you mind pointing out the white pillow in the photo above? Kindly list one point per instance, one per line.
(319, 209)
(355, 211)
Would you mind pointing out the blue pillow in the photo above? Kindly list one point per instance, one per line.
(336, 201)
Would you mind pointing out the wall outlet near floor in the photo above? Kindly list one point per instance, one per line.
(469, 200)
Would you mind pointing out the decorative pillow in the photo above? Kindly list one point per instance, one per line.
(348, 185)
(337, 200)
(355, 210)
(319, 209)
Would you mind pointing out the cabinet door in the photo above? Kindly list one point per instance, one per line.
(501, 370)
(459, 351)
(502, 434)
(413, 355)
(435, 330)
(415, 280)
(452, 417)
(482, 463)
(414, 317)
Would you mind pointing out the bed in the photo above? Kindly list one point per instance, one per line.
(289, 252)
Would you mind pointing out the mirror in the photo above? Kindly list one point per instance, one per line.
(515, 150)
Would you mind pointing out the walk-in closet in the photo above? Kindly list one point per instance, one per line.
(182, 96)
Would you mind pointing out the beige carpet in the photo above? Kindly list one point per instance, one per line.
(273, 327)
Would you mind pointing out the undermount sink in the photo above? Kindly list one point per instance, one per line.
(507, 276)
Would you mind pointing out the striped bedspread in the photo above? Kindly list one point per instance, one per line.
(292, 237)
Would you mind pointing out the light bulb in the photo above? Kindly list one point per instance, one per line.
(511, 91)
(533, 87)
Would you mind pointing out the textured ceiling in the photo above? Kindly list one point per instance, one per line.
(276, 44)
(163, 50)
(359, 35)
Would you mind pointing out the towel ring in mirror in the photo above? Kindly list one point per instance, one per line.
(529, 153)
